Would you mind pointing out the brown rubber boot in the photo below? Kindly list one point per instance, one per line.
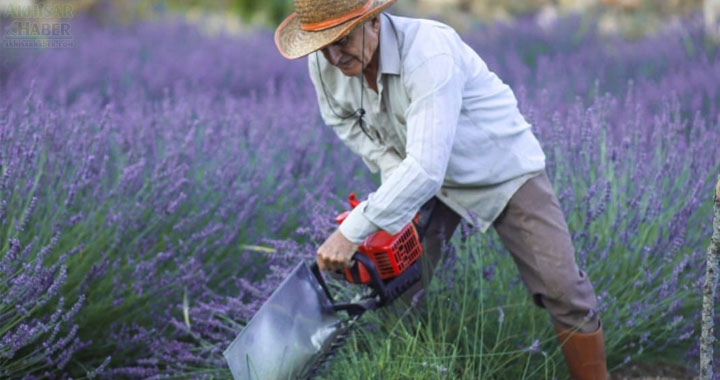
(584, 353)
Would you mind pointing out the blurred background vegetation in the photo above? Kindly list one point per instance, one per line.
(631, 18)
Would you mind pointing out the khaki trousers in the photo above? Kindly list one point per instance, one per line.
(532, 227)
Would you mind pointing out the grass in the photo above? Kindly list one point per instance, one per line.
(474, 327)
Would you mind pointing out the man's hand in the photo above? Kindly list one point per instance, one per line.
(336, 252)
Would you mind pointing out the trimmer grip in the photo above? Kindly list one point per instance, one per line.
(387, 290)
(356, 308)
(376, 283)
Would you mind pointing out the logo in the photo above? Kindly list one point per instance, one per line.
(38, 26)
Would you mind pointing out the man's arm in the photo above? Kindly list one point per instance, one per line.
(336, 251)
(435, 91)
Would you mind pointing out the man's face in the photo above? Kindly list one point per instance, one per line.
(347, 53)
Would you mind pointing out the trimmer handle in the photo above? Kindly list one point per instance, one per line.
(386, 292)
(354, 309)
(376, 283)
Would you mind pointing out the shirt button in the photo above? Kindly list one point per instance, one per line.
(444, 193)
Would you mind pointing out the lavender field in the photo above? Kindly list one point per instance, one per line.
(156, 184)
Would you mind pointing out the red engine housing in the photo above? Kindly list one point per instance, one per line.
(391, 254)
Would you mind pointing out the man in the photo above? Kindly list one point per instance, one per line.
(419, 105)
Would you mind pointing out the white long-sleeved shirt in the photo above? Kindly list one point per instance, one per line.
(441, 123)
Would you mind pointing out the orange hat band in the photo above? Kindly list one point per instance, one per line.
(320, 25)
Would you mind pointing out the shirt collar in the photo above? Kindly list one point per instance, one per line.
(389, 52)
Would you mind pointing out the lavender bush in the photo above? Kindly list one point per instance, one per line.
(133, 177)
(156, 185)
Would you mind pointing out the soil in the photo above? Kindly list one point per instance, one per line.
(652, 371)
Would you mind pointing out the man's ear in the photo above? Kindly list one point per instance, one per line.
(375, 23)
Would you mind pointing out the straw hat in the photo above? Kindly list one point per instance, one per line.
(317, 23)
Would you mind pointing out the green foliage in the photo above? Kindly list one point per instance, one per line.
(475, 327)
(269, 11)
(472, 328)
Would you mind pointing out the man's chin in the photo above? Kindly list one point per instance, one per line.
(349, 71)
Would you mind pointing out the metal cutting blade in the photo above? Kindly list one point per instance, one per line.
(293, 326)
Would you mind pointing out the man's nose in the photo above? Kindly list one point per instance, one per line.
(334, 54)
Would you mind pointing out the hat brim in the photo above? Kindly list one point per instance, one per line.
(294, 42)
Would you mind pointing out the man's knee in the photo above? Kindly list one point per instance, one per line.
(573, 304)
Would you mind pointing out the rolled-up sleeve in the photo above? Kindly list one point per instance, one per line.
(435, 91)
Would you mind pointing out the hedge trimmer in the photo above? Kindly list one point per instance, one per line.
(300, 327)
